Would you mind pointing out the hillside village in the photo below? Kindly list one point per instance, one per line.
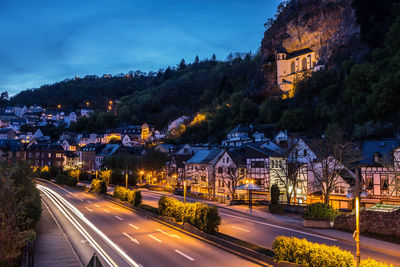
(247, 155)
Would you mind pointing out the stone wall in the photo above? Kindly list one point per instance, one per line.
(384, 223)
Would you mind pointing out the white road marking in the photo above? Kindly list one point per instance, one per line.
(97, 206)
(111, 207)
(89, 201)
(155, 238)
(131, 238)
(88, 209)
(61, 203)
(107, 211)
(134, 226)
(241, 229)
(184, 255)
(119, 218)
(168, 234)
(280, 227)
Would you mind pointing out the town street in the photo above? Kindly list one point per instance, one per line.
(263, 233)
(121, 237)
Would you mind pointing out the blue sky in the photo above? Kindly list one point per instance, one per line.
(47, 41)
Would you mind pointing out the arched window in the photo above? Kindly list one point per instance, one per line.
(292, 67)
(309, 61)
(304, 64)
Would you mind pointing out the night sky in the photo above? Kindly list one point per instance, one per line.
(47, 41)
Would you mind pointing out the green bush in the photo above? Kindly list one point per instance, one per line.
(305, 253)
(98, 186)
(373, 263)
(67, 180)
(320, 211)
(138, 198)
(121, 192)
(275, 207)
(132, 196)
(199, 215)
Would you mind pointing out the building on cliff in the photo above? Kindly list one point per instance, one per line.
(291, 66)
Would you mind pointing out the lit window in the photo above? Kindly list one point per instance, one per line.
(58, 155)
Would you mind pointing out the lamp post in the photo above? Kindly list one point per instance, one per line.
(141, 177)
(356, 234)
(184, 191)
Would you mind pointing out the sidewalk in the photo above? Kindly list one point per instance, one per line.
(295, 221)
(52, 247)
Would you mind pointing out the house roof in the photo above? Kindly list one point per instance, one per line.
(204, 156)
(240, 128)
(11, 144)
(298, 53)
(108, 150)
(180, 159)
(237, 158)
(93, 147)
(46, 147)
(347, 176)
(383, 148)
(252, 150)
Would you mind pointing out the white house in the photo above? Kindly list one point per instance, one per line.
(71, 117)
(237, 137)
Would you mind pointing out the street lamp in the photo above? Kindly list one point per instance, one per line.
(141, 177)
(126, 172)
(350, 195)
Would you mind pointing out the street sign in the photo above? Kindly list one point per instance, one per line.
(94, 261)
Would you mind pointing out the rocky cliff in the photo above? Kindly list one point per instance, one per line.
(324, 26)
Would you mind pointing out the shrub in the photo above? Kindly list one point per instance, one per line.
(121, 193)
(63, 179)
(305, 253)
(199, 215)
(320, 211)
(98, 186)
(138, 197)
(275, 207)
(373, 263)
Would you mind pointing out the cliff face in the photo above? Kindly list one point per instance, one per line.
(324, 26)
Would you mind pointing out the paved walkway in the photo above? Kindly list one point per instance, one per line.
(52, 247)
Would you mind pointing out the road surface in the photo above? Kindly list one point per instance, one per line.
(263, 233)
(121, 237)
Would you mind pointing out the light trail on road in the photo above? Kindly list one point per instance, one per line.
(61, 204)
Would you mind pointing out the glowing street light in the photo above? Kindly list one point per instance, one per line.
(356, 234)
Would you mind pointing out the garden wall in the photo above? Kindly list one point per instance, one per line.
(384, 223)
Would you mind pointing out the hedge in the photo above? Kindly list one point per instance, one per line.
(305, 253)
(132, 196)
(373, 263)
(98, 186)
(199, 215)
(67, 180)
(320, 211)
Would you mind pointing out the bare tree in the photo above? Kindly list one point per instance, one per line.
(231, 179)
(288, 174)
(334, 154)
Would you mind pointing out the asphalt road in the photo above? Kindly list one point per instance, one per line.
(263, 233)
(123, 238)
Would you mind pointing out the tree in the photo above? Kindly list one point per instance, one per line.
(248, 111)
(196, 60)
(231, 179)
(334, 154)
(105, 176)
(288, 174)
(213, 58)
(182, 65)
